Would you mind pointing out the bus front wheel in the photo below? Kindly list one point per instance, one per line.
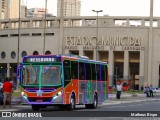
(35, 107)
(72, 105)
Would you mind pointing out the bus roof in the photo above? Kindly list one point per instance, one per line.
(72, 56)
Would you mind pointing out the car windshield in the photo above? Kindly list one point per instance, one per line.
(41, 75)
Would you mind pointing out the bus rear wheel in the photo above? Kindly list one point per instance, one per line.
(94, 104)
(35, 107)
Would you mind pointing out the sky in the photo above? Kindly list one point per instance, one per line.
(109, 7)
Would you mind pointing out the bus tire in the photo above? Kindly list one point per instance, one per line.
(72, 104)
(88, 106)
(35, 107)
(94, 104)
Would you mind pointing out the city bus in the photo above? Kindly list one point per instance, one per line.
(62, 80)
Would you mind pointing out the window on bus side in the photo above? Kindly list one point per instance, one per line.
(93, 68)
(98, 71)
(81, 71)
(88, 71)
(67, 69)
(74, 69)
(103, 72)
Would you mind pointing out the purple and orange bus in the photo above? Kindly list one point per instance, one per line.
(63, 80)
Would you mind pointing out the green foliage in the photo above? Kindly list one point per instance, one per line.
(16, 94)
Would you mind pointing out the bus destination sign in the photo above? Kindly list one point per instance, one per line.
(41, 59)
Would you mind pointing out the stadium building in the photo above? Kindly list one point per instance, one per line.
(130, 45)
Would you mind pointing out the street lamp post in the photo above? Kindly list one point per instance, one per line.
(116, 74)
(44, 42)
(19, 23)
(97, 11)
(18, 42)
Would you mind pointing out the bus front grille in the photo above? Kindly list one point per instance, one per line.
(31, 99)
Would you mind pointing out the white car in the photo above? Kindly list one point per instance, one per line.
(156, 90)
(1, 85)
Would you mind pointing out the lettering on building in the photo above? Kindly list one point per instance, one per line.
(91, 42)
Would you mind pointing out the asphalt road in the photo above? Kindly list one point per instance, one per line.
(123, 108)
(109, 109)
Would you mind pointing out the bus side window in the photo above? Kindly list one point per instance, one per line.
(81, 71)
(98, 71)
(67, 69)
(74, 69)
(103, 72)
(88, 71)
(93, 71)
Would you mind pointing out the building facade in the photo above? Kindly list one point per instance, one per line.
(129, 49)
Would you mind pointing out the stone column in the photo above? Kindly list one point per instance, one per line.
(8, 69)
(127, 22)
(111, 67)
(83, 22)
(141, 69)
(81, 53)
(150, 44)
(69, 23)
(31, 23)
(94, 55)
(126, 65)
(143, 23)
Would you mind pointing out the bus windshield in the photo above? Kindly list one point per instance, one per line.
(51, 75)
(41, 75)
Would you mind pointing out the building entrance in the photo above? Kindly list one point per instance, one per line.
(134, 58)
(118, 66)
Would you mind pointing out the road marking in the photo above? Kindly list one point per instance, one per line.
(131, 105)
(139, 104)
(23, 106)
(8, 110)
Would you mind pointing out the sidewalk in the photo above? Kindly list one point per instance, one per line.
(129, 98)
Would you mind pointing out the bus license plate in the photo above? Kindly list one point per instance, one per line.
(39, 100)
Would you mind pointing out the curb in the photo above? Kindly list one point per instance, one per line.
(16, 100)
(108, 102)
(136, 98)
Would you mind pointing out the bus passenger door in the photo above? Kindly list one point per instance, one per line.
(67, 80)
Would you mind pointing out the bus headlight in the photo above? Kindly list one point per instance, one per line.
(23, 94)
(59, 93)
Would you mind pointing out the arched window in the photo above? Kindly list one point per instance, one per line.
(35, 53)
(24, 53)
(3, 54)
(13, 54)
(47, 53)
